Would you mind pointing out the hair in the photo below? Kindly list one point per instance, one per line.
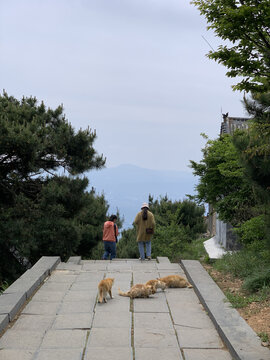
(112, 217)
(144, 213)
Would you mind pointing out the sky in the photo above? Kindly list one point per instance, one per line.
(135, 71)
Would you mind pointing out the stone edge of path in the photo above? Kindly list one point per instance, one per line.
(15, 296)
(242, 342)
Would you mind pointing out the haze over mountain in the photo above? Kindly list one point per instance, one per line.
(126, 187)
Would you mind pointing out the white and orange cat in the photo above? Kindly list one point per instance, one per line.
(175, 281)
(104, 287)
(157, 284)
(139, 291)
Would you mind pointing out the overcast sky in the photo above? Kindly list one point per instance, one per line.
(133, 70)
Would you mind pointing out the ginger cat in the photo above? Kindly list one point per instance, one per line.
(139, 291)
(157, 284)
(104, 287)
(175, 281)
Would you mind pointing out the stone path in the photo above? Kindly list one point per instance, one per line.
(63, 321)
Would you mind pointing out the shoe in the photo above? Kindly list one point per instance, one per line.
(149, 258)
(141, 259)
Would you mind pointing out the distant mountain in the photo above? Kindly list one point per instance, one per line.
(126, 187)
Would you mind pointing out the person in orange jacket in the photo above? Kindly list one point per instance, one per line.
(110, 233)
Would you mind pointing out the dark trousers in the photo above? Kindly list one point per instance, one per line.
(109, 249)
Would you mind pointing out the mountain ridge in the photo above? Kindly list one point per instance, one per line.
(127, 186)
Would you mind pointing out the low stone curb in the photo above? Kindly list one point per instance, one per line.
(22, 289)
(163, 260)
(241, 340)
(75, 260)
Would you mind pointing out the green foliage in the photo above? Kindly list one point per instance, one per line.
(41, 212)
(178, 224)
(240, 264)
(242, 300)
(168, 241)
(264, 337)
(252, 230)
(246, 25)
(257, 280)
(127, 247)
(222, 182)
(3, 286)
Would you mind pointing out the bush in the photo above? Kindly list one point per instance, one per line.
(240, 264)
(257, 280)
(252, 230)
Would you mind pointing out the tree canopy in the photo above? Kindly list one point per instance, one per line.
(222, 182)
(244, 25)
(178, 225)
(45, 208)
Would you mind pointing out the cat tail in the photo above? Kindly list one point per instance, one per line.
(122, 293)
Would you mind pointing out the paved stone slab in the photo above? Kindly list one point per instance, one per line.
(113, 353)
(89, 277)
(113, 337)
(49, 296)
(163, 259)
(84, 286)
(74, 259)
(21, 339)
(153, 320)
(209, 354)
(95, 266)
(156, 303)
(112, 320)
(73, 321)
(179, 296)
(168, 267)
(117, 304)
(196, 319)
(10, 304)
(76, 307)
(143, 265)
(59, 354)
(68, 266)
(62, 276)
(120, 276)
(4, 320)
(41, 308)
(115, 266)
(65, 339)
(51, 286)
(10, 354)
(39, 323)
(157, 338)
(158, 354)
(80, 296)
(198, 338)
(141, 278)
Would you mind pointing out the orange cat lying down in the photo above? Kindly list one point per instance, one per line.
(139, 291)
(104, 287)
(175, 281)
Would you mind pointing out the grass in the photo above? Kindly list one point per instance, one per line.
(264, 337)
(191, 251)
(241, 300)
(4, 285)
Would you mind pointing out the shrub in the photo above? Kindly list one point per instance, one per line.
(252, 230)
(257, 280)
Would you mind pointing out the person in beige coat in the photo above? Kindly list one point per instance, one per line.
(145, 226)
